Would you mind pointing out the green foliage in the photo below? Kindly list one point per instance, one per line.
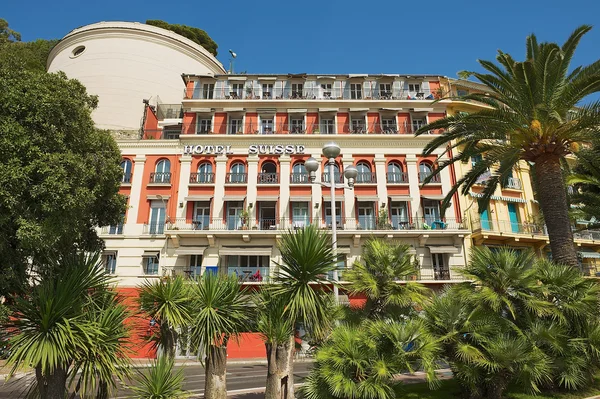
(271, 322)
(586, 182)
(307, 257)
(8, 35)
(167, 301)
(382, 264)
(194, 34)
(71, 322)
(361, 361)
(59, 177)
(160, 381)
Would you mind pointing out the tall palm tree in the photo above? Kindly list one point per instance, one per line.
(62, 320)
(533, 114)
(221, 310)
(167, 302)
(382, 265)
(306, 259)
(586, 181)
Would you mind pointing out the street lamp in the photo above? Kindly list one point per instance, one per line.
(331, 151)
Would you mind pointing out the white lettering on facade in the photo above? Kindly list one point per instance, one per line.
(253, 149)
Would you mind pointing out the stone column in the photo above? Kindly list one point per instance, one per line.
(413, 184)
(284, 191)
(220, 174)
(380, 173)
(251, 191)
(184, 179)
(349, 213)
(131, 224)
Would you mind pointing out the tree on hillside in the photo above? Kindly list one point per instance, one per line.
(59, 175)
(196, 35)
(533, 114)
(15, 54)
(7, 34)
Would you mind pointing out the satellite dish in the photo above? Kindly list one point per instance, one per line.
(234, 55)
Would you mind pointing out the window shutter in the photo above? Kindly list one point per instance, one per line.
(287, 89)
(196, 89)
(338, 88)
(397, 88)
(425, 88)
(278, 89)
(219, 89)
(367, 89)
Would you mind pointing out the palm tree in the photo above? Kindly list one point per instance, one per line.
(221, 310)
(307, 257)
(361, 361)
(533, 114)
(67, 316)
(167, 302)
(160, 381)
(586, 181)
(382, 265)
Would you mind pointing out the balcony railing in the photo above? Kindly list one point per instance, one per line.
(160, 177)
(112, 230)
(369, 223)
(506, 226)
(425, 175)
(250, 274)
(169, 111)
(236, 178)
(441, 273)
(512, 183)
(299, 178)
(268, 178)
(202, 178)
(587, 235)
(153, 228)
(337, 177)
(126, 178)
(334, 93)
(366, 178)
(397, 177)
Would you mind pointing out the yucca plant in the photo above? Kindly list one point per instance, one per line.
(535, 113)
(159, 381)
(221, 310)
(166, 301)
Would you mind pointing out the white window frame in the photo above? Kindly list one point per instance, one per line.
(358, 124)
(195, 266)
(356, 91)
(208, 90)
(297, 90)
(237, 90)
(327, 90)
(268, 89)
(389, 125)
(236, 125)
(204, 125)
(327, 126)
(109, 259)
(297, 125)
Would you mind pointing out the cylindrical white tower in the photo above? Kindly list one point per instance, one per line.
(126, 62)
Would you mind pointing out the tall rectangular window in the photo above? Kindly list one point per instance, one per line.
(358, 125)
(204, 126)
(300, 216)
(388, 126)
(109, 259)
(157, 217)
(326, 90)
(440, 268)
(266, 126)
(338, 213)
(267, 90)
(297, 126)
(151, 265)
(195, 269)
(356, 91)
(208, 90)
(235, 126)
(297, 90)
(327, 126)
(414, 87)
(385, 90)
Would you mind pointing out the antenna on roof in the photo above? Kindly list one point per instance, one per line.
(233, 57)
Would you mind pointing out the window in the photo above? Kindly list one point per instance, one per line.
(204, 126)
(424, 171)
(237, 90)
(267, 90)
(151, 264)
(336, 174)
(299, 173)
(109, 259)
(297, 90)
(208, 90)
(338, 213)
(366, 215)
(395, 173)
(417, 123)
(358, 125)
(414, 87)
(364, 172)
(237, 173)
(328, 126)
(297, 126)
(201, 215)
(268, 174)
(235, 126)
(326, 89)
(440, 269)
(300, 217)
(162, 172)
(388, 126)
(195, 269)
(475, 159)
(399, 215)
(205, 174)
(462, 92)
(266, 126)
(118, 228)
(248, 268)
(157, 216)
(431, 211)
(355, 91)
(385, 90)
(126, 166)
(340, 267)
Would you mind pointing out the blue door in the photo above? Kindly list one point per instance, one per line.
(514, 217)
(484, 217)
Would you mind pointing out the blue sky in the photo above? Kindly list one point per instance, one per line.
(433, 37)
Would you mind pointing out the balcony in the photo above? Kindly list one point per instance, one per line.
(254, 92)
(112, 230)
(236, 178)
(366, 178)
(250, 274)
(160, 178)
(397, 178)
(505, 226)
(169, 111)
(299, 178)
(512, 183)
(268, 178)
(337, 177)
(202, 178)
(424, 175)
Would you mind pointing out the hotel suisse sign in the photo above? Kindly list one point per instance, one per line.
(252, 149)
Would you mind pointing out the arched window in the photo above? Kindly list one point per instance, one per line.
(205, 173)
(336, 174)
(237, 173)
(162, 173)
(395, 173)
(126, 166)
(425, 170)
(364, 172)
(268, 174)
(299, 173)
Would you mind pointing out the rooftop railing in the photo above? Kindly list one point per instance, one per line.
(169, 111)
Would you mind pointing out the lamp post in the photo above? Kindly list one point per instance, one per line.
(331, 151)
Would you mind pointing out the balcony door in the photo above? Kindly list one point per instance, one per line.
(513, 217)
(431, 211)
(157, 217)
(202, 215)
(300, 217)
(366, 215)
(234, 210)
(338, 213)
(484, 218)
(268, 219)
(399, 215)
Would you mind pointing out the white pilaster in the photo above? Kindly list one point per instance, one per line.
(284, 188)
(413, 184)
(380, 173)
(136, 189)
(252, 181)
(317, 194)
(220, 174)
(349, 201)
(184, 179)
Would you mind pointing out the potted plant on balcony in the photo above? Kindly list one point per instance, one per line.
(316, 130)
(383, 220)
(244, 216)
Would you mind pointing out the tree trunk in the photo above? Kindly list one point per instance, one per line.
(278, 371)
(553, 201)
(52, 386)
(290, 380)
(102, 390)
(215, 373)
